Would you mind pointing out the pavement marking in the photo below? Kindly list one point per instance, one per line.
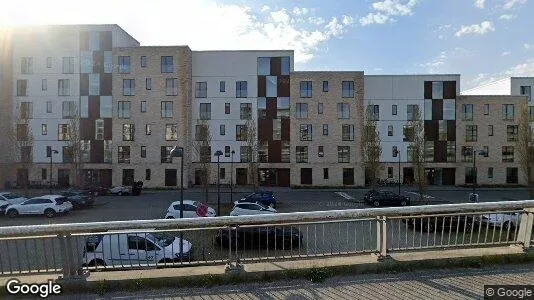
(424, 196)
(344, 195)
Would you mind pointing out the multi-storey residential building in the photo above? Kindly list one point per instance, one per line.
(6, 107)
(326, 132)
(152, 101)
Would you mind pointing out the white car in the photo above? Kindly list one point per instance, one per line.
(48, 205)
(251, 208)
(509, 220)
(121, 190)
(191, 209)
(11, 198)
(136, 249)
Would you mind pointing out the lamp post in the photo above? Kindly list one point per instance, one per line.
(232, 177)
(218, 153)
(50, 181)
(396, 153)
(474, 152)
(179, 152)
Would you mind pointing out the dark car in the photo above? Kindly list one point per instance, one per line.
(79, 198)
(260, 237)
(264, 197)
(97, 190)
(380, 198)
(439, 223)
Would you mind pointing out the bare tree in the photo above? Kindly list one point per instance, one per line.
(525, 147)
(202, 149)
(416, 151)
(22, 137)
(371, 148)
(251, 142)
(75, 146)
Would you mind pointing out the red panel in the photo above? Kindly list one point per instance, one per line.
(97, 151)
(428, 89)
(449, 90)
(275, 151)
(94, 107)
(271, 108)
(286, 129)
(108, 130)
(283, 86)
(276, 66)
(87, 129)
(265, 129)
(261, 86)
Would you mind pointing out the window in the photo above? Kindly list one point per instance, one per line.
(68, 65)
(63, 87)
(286, 65)
(410, 153)
(63, 132)
(390, 172)
(301, 110)
(469, 175)
(320, 108)
(320, 151)
(22, 132)
(264, 65)
(143, 106)
(485, 151)
(245, 111)
(347, 132)
(471, 133)
(301, 153)
(68, 109)
(411, 112)
(123, 155)
(511, 133)
(26, 153)
(68, 154)
(44, 129)
(490, 130)
(531, 113)
(305, 89)
(222, 173)
(167, 64)
(449, 109)
(325, 129)
(201, 133)
(99, 130)
(508, 112)
(43, 174)
(44, 85)
(442, 130)
(201, 89)
(241, 132)
(94, 84)
(226, 151)
(222, 129)
(467, 112)
(128, 86)
(48, 151)
(305, 132)
(166, 109)
(26, 65)
(347, 88)
(148, 84)
(437, 90)
(486, 109)
(373, 112)
(227, 108)
(128, 132)
(171, 132)
(106, 107)
(241, 89)
(394, 109)
(85, 149)
(148, 174)
(325, 86)
(205, 111)
(143, 61)
(143, 151)
(343, 154)
(170, 87)
(526, 90)
(277, 129)
(286, 149)
(429, 151)
(49, 62)
(123, 110)
(165, 154)
(507, 154)
(325, 173)
(246, 153)
(490, 172)
(108, 152)
(22, 88)
(282, 108)
(49, 107)
(512, 175)
(343, 111)
(148, 129)
(408, 133)
(263, 151)
(390, 130)
(26, 110)
(124, 64)
(272, 86)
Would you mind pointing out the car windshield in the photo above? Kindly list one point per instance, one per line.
(61, 200)
(12, 196)
(163, 239)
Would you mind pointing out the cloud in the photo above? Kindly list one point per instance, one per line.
(442, 31)
(479, 29)
(300, 11)
(480, 3)
(265, 8)
(507, 17)
(383, 11)
(442, 62)
(527, 46)
(506, 53)
(523, 69)
(509, 4)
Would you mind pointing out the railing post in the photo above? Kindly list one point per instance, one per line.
(381, 237)
(525, 227)
(71, 264)
(233, 267)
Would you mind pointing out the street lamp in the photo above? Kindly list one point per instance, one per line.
(396, 153)
(50, 154)
(179, 152)
(218, 153)
(232, 177)
(474, 152)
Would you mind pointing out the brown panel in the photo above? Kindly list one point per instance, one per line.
(84, 41)
(275, 151)
(437, 109)
(84, 84)
(283, 86)
(428, 89)
(265, 130)
(286, 129)
(94, 107)
(108, 130)
(97, 151)
(87, 129)
(271, 108)
(106, 84)
(276, 66)
(440, 151)
(431, 130)
(449, 90)
(261, 86)
(98, 62)
(451, 130)
(106, 41)
(283, 177)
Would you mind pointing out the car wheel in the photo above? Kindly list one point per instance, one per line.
(376, 203)
(50, 213)
(12, 213)
(119, 193)
(95, 194)
(98, 264)
(169, 217)
(403, 203)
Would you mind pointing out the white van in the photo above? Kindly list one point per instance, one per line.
(134, 249)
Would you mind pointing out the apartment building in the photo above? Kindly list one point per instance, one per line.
(487, 125)
(152, 100)
(6, 107)
(326, 128)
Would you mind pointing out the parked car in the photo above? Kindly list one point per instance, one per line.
(260, 237)
(191, 209)
(445, 223)
(139, 249)
(48, 205)
(249, 208)
(79, 198)
(510, 220)
(121, 190)
(12, 198)
(264, 197)
(97, 190)
(380, 198)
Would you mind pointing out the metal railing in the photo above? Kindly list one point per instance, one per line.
(74, 248)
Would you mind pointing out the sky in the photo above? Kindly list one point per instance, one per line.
(483, 40)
